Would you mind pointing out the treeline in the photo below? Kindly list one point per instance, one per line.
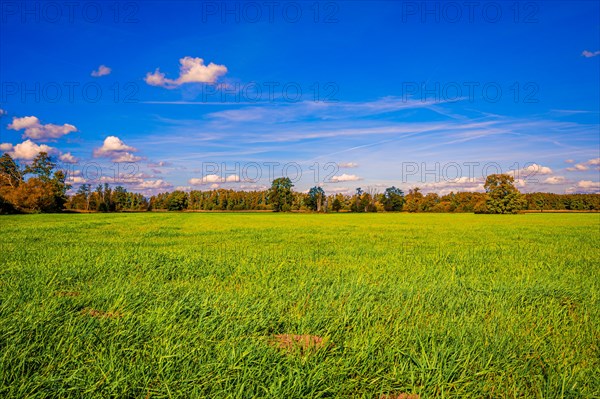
(106, 199)
(414, 201)
(39, 187)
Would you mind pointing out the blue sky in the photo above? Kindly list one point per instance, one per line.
(343, 94)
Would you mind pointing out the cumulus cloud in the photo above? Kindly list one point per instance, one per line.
(208, 179)
(463, 183)
(588, 185)
(68, 158)
(191, 70)
(583, 166)
(344, 177)
(590, 54)
(347, 165)
(6, 147)
(102, 70)
(115, 149)
(595, 161)
(554, 180)
(335, 190)
(578, 168)
(155, 184)
(2, 112)
(35, 130)
(531, 170)
(27, 150)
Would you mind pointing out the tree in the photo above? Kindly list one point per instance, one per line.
(178, 200)
(280, 194)
(59, 190)
(10, 173)
(11, 177)
(414, 199)
(41, 166)
(502, 195)
(314, 201)
(336, 205)
(356, 205)
(393, 199)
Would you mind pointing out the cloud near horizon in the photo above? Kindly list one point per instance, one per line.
(213, 179)
(344, 177)
(27, 150)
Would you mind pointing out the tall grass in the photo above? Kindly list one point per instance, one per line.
(187, 305)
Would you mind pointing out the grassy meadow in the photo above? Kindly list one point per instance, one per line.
(194, 305)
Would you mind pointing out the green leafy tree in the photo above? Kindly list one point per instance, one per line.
(336, 205)
(280, 194)
(393, 199)
(59, 190)
(315, 198)
(42, 167)
(502, 195)
(356, 203)
(178, 200)
(10, 173)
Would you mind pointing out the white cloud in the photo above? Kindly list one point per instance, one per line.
(253, 187)
(35, 130)
(115, 149)
(531, 170)
(555, 180)
(570, 161)
(336, 190)
(183, 188)
(590, 54)
(6, 147)
(208, 179)
(102, 70)
(68, 157)
(214, 186)
(347, 165)
(588, 184)
(344, 177)
(27, 150)
(126, 157)
(155, 184)
(578, 168)
(191, 70)
(583, 166)
(2, 112)
(595, 161)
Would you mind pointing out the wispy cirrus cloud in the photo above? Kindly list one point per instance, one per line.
(590, 54)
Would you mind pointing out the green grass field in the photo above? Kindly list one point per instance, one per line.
(188, 305)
